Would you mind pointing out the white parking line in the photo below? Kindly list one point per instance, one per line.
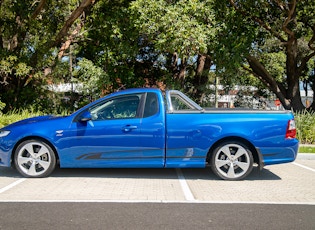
(303, 166)
(15, 183)
(186, 190)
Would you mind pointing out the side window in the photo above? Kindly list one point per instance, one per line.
(124, 107)
(179, 104)
(151, 105)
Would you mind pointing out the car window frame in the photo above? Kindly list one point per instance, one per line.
(139, 112)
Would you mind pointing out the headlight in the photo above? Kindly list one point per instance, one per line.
(4, 133)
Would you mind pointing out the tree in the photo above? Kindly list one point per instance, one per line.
(34, 37)
(255, 33)
(112, 43)
(183, 32)
(91, 78)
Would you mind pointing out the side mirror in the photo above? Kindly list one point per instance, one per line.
(86, 116)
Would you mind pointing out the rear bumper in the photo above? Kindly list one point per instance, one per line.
(278, 155)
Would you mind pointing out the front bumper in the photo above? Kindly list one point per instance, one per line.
(5, 154)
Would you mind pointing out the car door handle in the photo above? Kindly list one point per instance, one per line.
(128, 128)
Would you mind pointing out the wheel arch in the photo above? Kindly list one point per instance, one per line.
(32, 138)
(256, 157)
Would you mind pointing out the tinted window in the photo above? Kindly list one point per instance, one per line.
(151, 105)
(118, 108)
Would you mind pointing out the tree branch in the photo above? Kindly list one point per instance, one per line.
(38, 9)
(291, 12)
(312, 40)
(258, 70)
(75, 14)
(280, 4)
(308, 57)
(71, 38)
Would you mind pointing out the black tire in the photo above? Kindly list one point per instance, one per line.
(34, 158)
(232, 160)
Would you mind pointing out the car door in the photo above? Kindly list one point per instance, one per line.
(110, 138)
(153, 131)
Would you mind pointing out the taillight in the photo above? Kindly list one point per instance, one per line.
(291, 130)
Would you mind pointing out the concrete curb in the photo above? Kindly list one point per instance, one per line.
(305, 156)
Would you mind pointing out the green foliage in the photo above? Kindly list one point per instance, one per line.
(112, 44)
(274, 62)
(306, 149)
(123, 44)
(305, 124)
(274, 40)
(27, 50)
(184, 26)
(17, 115)
(182, 34)
(91, 78)
(13, 116)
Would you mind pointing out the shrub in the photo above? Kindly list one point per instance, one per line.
(17, 115)
(13, 116)
(305, 125)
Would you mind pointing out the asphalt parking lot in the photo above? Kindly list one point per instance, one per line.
(291, 183)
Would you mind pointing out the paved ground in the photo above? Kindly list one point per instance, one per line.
(154, 216)
(278, 197)
(292, 183)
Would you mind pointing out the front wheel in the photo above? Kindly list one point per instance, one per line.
(232, 161)
(34, 158)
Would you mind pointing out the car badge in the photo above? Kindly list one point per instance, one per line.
(59, 133)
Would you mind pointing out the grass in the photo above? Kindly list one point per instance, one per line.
(307, 149)
(305, 125)
(16, 116)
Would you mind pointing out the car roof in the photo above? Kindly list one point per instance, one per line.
(118, 93)
(134, 90)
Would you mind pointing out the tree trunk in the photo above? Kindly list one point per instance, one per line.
(174, 60)
(293, 91)
(295, 96)
(201, 76)
(312, 81)
(290, 97)
(258, 70)
(182, 73)
(178, 71)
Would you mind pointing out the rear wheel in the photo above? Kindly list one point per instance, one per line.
(232, 161)
(34, 158)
